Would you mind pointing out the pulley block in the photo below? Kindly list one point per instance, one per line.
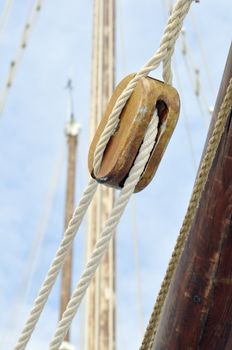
(120, 153)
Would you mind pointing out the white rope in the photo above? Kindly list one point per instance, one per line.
(163, 54)
(108, 232)
(56, 265)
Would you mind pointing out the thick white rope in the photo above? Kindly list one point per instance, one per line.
(108, 232)
(163, 54)
(56, 265)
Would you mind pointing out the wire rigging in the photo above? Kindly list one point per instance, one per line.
(186, 119)
(196, 81)
(134, 231)
(167, 5)
(192, 70)
(202, 52)
(14, 65)
(36, 246)
(5, 16)
(196, 89)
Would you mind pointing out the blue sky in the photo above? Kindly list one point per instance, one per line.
(32, 145)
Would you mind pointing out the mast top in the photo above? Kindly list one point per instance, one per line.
(72, 128)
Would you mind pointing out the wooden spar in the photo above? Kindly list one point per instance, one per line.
(100, 301)
(197, 313)
(71, 131)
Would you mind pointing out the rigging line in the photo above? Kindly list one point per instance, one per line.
(122, 37)
(199, 92)
(202, 52)
(99, 194)
(90, 303)
(14, 65)
(134, 232)
(186, 119)
(108, 233)
(168, 4)
(5, 15)
(32, 260)
(189, 72)
(43, 223)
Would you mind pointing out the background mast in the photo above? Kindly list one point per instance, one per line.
(72, 131)
(100, 325)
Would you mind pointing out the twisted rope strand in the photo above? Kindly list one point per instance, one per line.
(108, 232)
(56, 265)
(191, 211)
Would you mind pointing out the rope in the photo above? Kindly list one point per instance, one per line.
(202, 52)
(197, 86)
(29, 270)
(186, 119)
(108, 233)
(188, 64)
(30, 22)
(163, 54)
(5, 15)
(192, 208)
(56, 265)
(134, 230)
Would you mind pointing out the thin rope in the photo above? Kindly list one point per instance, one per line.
(108, 233)
(29, 270)
(134, 231)
(164, 53)
(191, 211)
(56, 265)
(5, 15)
(29, 25)
(186, 119)
(187, 63)
(196, 81)
(202, 52)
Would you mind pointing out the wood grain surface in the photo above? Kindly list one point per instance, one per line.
(198, 310)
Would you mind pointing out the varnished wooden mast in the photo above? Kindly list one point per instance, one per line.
(71, 131)
(198, 310)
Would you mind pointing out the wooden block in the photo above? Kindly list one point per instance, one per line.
(124, 145)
